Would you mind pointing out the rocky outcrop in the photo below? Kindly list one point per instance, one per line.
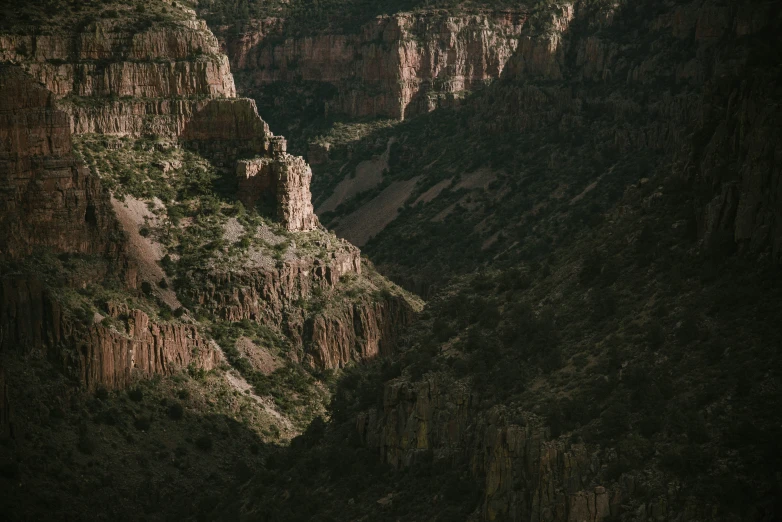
(301, 297)
(113, 359)
(285, 179)
(47, 199)
(356, 331)
(264, 292)
(395, 66)
(119, 78)
(111, 355)
(525, 474)
(226, 130)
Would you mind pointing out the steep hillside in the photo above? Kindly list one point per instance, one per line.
(594, 97)
(629, 377)
(598, 232)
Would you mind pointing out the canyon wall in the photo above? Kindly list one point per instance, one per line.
(340, 330)
(48, 198)
(711, 97)
(395, 66)
(116, 78)
(52, 202)
(167, 80)
(526, 475)
(34, 321)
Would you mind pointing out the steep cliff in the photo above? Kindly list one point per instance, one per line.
(286, 180)
(395, 66)
(582, 110)
(48, 198)
(112, 354)
(133, 75)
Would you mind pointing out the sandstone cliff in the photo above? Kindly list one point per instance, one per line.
(115, 79)
(286, 180)
(94, 355)
(48, 198)
(331, 310)
(51, 202)
(395, 66)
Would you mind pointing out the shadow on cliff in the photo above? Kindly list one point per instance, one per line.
(167, 449)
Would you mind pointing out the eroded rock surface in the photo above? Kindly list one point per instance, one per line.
(47, 199)
(395, 66)
(115, 79)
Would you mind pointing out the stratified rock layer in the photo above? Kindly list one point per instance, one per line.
(118, 80)
(285, 179)
(47, 199)
(395, 66)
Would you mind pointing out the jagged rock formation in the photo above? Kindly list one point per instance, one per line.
(347, 329)
(285, 179)
(35, 322)
(168, 80)
(395, 66)
(48, 198)
(226, 130)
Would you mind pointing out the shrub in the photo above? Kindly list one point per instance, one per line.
(143, 422)
(204, 443)
(175, 411)
(101, 394)
(136, 394)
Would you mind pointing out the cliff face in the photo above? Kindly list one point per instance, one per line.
(286, 180)
(48, 198)
(395, 66)
(117, 79)
(51, 201)
(35, 322)
(525, 474)
(340, 329)
(695, 91)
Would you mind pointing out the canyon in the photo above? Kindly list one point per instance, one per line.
(587, 194)
(173, 83)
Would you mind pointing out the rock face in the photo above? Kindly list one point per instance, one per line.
(226, 130)
(229, 129)
(285, 179)
(118, 80)
(359, 331)
(345, 330)
(47, 199)
(50, 201)
(32, 321)
(395, 66)
(525, 474)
